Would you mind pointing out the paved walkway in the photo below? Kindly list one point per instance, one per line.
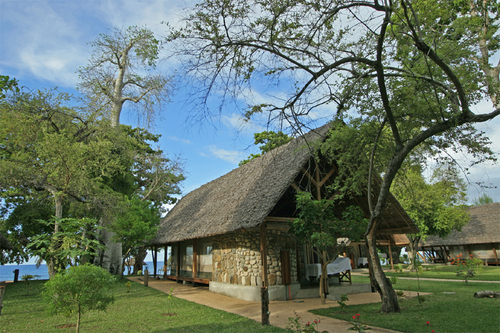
(280, 310)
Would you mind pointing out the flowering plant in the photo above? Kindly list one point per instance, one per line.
(295, 325)
(357, 325)
(466, 269)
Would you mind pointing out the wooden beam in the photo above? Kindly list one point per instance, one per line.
(278, 219)
(295, 187)
(195, 258)
(306, 173)
(165, 261)
(323, 181)
(318, 186)
(263, 254)
(187, 278)
(155, 261)
(178, 268)
(390, 256)
(264, 292)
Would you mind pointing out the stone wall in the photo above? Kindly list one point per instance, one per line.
(237, 260)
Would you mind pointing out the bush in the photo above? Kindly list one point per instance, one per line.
(77, 290)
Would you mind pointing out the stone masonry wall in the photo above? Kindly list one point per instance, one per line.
(237, 260)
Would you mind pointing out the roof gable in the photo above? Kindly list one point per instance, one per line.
(242, 198)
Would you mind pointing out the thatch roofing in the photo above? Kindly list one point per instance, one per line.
(483, 228)
(244, 197)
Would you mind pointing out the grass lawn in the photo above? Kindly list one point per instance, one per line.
(457, 312)
(486, 273)
(142, 310)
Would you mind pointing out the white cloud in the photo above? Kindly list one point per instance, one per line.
(232, 156)
(186, 141)
(239, 123)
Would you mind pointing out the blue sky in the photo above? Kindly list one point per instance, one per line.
(42, 44)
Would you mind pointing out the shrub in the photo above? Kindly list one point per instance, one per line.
(77, 290)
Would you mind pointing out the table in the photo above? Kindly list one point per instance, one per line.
(340, 266)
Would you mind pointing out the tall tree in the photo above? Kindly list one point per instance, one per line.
(113, 77)
(412, 69)
(326, 231)
(115, 73)
(48, 147)
(437, 207)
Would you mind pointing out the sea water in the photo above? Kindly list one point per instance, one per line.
(41, 272)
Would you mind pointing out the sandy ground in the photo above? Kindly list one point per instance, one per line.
(280, 310)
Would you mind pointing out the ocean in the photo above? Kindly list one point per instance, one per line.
(42, 273)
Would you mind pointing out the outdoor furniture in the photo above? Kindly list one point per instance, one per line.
(340, 266)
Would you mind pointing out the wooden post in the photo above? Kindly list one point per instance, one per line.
(2, 290)
(496, 257)
(264, 292)
(146, 277)
(390, 256)
(195, 258)
(155, 262)
(165, 261)
(178, 261)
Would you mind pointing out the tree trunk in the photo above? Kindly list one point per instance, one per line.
(112, 258)
(2, 290)
(381, 282)
(139, 259)
(78, 319)
(323, 283)
(412, 253)
(487, 293)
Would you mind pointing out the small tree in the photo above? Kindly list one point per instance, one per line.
(79, 289)
(320, 227)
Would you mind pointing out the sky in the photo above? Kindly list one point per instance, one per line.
(44, 42)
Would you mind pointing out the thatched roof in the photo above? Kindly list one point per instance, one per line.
(242, 198)
(483, 228)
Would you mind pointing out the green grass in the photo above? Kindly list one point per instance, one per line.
(459, 312)
(488, 273)
(142, 310)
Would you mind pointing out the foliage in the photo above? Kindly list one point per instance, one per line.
(27, 278)
(268, 140)
(169, 298)
(357, 325)
(483, 200)
(129, 286)
(466, 268)
(398, 268)
(78, 290)
(72, 244)
(394, 280)
(7, 84)
(136, 223)
(326, 231)
(49, 147)
(411, 72)
(318, 223)
(341, 302)
(115, 74)
(437, 207)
